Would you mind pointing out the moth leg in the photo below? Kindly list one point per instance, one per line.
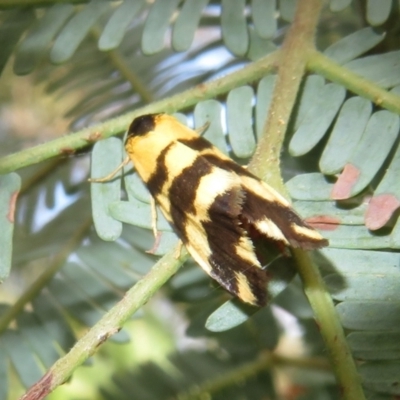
(155, 245)
(112, 174)
(178, 249)
(202, 128)
(156, 233)
(153, 217)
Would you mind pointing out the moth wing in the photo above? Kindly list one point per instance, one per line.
(265, 210)
(273, 217)
(218, 242)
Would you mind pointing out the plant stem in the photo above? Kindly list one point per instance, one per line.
(68, 144)
(297, 49)
(232, 377)
(109, 324)
(248, 370)
(292, 64)
(330, 327)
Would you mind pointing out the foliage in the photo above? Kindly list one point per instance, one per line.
(327, 117)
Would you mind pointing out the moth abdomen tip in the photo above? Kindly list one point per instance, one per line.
(142, 125)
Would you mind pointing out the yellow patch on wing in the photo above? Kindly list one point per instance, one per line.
(200, 254)
(262, 189)
(267, 227)
(177, 159)
(216, 183)
(245, 250)
(165, 206)
(308, 232)
(197, 244)
(211, 185)
(244, 290)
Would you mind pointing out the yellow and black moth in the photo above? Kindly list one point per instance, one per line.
(216, 207)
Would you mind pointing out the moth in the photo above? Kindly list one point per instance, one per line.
(216, 207)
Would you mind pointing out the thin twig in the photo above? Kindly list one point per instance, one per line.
(108, 325)
(75, 141)
(245, 371)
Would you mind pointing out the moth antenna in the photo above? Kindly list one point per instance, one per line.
(112, 174)
(202, 128)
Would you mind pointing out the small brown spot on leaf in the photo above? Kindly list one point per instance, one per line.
(347, 179)
(380, 210)
(323, 222)
(11, 209)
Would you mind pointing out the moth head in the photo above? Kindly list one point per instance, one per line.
(150, 134)
(142, 125)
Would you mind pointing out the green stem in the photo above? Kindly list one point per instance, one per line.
(108, 325)
(330, 327)
(292, 64)
(70, 143)
(297, 50)
(232, 377)
(321, 64)
(248, 370)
